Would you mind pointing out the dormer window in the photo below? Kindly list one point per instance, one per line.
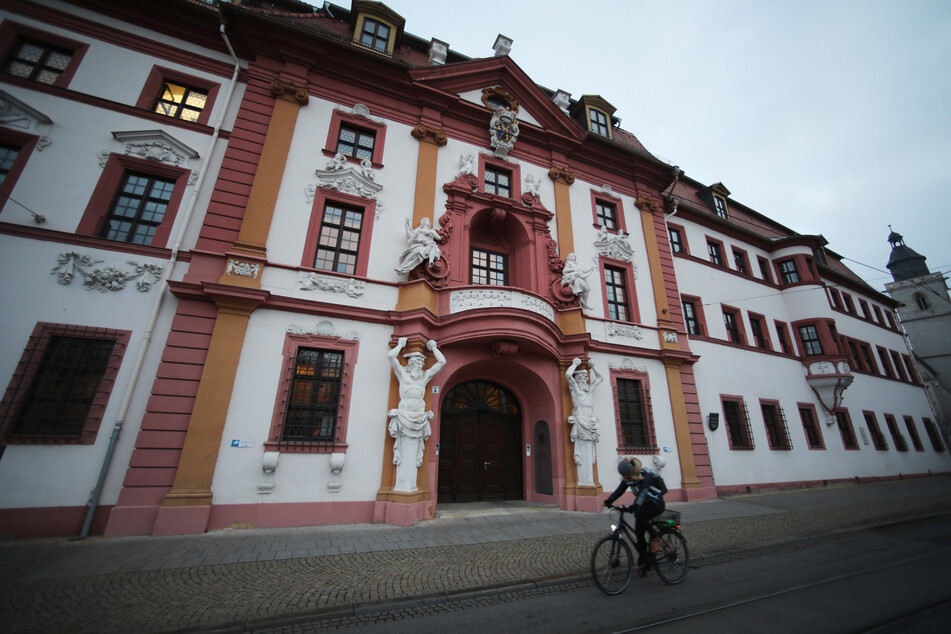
(375, 35)
(719, 206)
(599, 123)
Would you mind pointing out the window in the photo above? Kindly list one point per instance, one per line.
(910, 367)
(616, 294)
(634, 422)
(899, 368)
(835, 298)
(8, 157)
(788, 272)
(810, 340)
(312, 408)
(878, 439)
(719, 206)
(854, 355)
(740, 260)
(897, 438)
(605, 214)
(599, 122)
(135, 201)
(37, 61)
(933, 434)
(890, 320)
(180, 102)
(737, 422)
(61, 386)
(356, 143)
(498, 181)
(676, 241)
(913, 432)
(375, 35)
(863, 306)
(922, 302)
(338, 244)
(777, 431)
(488, 268)
(878, 314)
(807, 413)
(691, 318)
(731, 321)
(886, 365)
(138, 209)
(869, 358)
(844, 422)
(783, 335)
(716, 253)
(764, 269)
(15, 150)
(760, 334)
(849, 304)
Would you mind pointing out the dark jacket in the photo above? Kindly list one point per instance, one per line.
(648, 492)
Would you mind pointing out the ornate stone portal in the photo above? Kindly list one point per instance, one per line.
(584, 424)
(409, 422)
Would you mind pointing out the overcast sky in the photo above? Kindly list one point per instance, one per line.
(831, 116)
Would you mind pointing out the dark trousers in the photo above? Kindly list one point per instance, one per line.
(642, 526)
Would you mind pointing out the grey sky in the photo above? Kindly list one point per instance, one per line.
(829, 116)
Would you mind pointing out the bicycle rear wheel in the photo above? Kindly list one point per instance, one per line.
(612, 564)
(672, 560)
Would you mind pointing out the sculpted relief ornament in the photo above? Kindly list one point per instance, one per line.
(104, 279)
(584, 424)
(575, 277)
(422, 246)
(503, 131)
(409, 422)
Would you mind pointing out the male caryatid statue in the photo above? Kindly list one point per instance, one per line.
(409, 423)
(584, 424)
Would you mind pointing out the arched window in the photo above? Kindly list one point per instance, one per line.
(922, 301)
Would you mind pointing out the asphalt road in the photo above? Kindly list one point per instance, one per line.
(895, 578)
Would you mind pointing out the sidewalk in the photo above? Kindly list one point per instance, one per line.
(245, 577)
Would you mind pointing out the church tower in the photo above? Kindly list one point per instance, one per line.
(925, 312)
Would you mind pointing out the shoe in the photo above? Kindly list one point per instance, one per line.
(655, 544)
(640, 572)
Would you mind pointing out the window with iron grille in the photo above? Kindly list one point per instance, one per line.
(811, 428)
(676, 241)
(375, 35)
(845, 429)
(777, 432)
(617, 297)
(737, 420)
(606, 214)
(37, 61)
(878, 439)
(788, 272)
(355, 142)
(634, 417)
(599, 122)
(338, 245)
(180, 102)
(498, 182)
(62, 384)
(899, 440)
(138, 208)
(810, 340)
(488, 267)
(933, 435)
(913, 432)
(313, 398)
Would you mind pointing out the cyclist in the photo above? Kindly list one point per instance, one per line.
(649, 489)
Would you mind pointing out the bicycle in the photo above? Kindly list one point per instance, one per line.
(612, 563)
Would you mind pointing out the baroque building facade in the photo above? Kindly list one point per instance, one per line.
(302, 267)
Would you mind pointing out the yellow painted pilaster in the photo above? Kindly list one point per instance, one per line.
(571, 322)
(688, 467)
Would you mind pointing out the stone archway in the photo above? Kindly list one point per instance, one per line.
(480, 444)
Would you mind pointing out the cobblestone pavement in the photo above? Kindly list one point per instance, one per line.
(232, 580)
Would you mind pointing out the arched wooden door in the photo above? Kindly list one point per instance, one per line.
(480, 439)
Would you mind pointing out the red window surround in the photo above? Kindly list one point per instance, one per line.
(811, 426)
(739, 433)
(29, 364)
(741, 260)
(499, 164)
(846, 430)
(293, 341)
(598, 196)
(835, 298)
(764, 269)
(11, 31)
(764, 330)
(159, 75)
(650, 445)
(26, 143)
(740, 327)
(715, 252)
(698, 312)
(782, 331)
(316, 217)
(102, 197)
(886, 364)
(825, 328)
(685, 248)
(912, 374)
(628, 270)
(378, 129)
(803, 270)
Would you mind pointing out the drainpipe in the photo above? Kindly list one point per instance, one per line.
(147, 335)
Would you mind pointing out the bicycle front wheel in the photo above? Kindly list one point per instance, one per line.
(672, 560)
(612, 564)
